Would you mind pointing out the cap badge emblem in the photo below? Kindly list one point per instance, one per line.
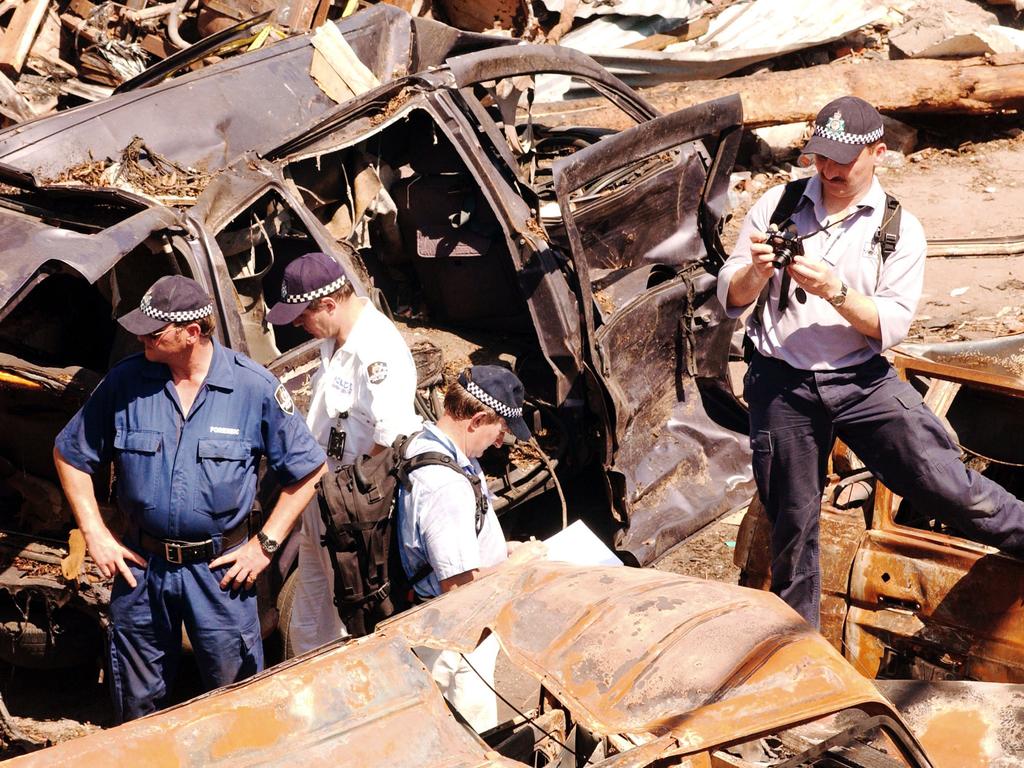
(836, 124)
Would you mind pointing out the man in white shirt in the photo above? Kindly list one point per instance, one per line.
(363, 399)
(818, 329)
(446, 536)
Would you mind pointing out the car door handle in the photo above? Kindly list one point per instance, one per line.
(899, 604)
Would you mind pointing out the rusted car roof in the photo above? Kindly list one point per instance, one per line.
(963, 724)
(369, 703)
(228, 106)
(678, 663)
(641, 651)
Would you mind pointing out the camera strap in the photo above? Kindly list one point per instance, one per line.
(887, 237)
(788, 203)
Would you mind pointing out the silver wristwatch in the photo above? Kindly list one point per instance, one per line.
(268, 544)
(840, 298)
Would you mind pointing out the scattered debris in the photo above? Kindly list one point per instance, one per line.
(140, 171)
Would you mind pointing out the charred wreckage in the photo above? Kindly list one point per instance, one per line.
(583, 258)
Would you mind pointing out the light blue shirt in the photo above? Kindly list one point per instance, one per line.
(813, 335)
(437, 518)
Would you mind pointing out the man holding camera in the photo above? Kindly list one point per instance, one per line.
(836, 280)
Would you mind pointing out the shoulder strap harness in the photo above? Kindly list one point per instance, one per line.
(887, 237)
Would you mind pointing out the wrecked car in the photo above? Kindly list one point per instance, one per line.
(586, 260)
(903, 594)
(620, 674)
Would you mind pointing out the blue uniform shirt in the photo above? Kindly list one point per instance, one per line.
(189, 477)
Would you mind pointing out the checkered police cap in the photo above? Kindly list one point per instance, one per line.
(171, 299)
(306, 279)
(499, 407)
(308, 296)
(501, 390)
(843, 128)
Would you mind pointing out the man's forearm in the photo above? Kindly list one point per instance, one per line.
(746, 286)
(78, 489)
(860, 312)
(290, 504)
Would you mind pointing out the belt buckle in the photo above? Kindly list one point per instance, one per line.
(169, 553)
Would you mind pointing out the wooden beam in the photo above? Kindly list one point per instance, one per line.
(12, 103)
(17, 39)
(969, 86)
(80, 27)
(86, 91)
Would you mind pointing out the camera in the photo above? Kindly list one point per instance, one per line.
(786, 244)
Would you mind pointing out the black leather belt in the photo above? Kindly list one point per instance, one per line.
(185, 552)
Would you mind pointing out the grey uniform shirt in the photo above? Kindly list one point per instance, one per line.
(812, 335)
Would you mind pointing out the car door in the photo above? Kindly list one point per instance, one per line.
(641, 211)
(927, 602)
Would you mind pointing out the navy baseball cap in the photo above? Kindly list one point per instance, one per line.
(171, 299)
(501, 390)
(843, 128)
(306, 279)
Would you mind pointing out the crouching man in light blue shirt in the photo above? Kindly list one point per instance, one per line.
(446, 536)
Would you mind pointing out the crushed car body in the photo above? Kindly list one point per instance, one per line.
(585, 260)
(622, 657)
(904, 595)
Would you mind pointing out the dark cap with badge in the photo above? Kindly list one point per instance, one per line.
(501, 390)
(843, 128)
(306, 279)
(171, 299)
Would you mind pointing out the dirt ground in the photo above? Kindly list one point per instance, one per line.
(970, 190)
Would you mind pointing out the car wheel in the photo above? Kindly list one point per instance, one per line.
(77, 640)
(285, 601)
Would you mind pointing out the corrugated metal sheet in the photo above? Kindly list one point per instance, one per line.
(675, 9)
(743, 34)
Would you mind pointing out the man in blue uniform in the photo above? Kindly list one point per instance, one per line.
(185, 425)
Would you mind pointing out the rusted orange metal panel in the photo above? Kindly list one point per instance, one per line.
(963, 724)
(674, 665)
(924, 595)
(645, 652)
(369, 704)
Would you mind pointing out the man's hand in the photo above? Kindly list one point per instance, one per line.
(761, 256)
(110, 555)
(248, 560)
(107, 552)
(815, 277)
(525, 551)
(750, 279)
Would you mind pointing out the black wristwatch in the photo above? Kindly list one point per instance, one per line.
(268, 544)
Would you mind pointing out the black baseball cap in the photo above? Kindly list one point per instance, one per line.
(843, 128)
(171, 299)
(501, 390)
(306, 279)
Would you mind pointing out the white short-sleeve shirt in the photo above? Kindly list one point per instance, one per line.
(811, 334)
(437, 518)
(367, 388)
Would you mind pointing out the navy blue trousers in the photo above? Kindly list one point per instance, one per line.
(795, 416)
(145, 633)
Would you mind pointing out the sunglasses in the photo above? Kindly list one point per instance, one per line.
(155, 335)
